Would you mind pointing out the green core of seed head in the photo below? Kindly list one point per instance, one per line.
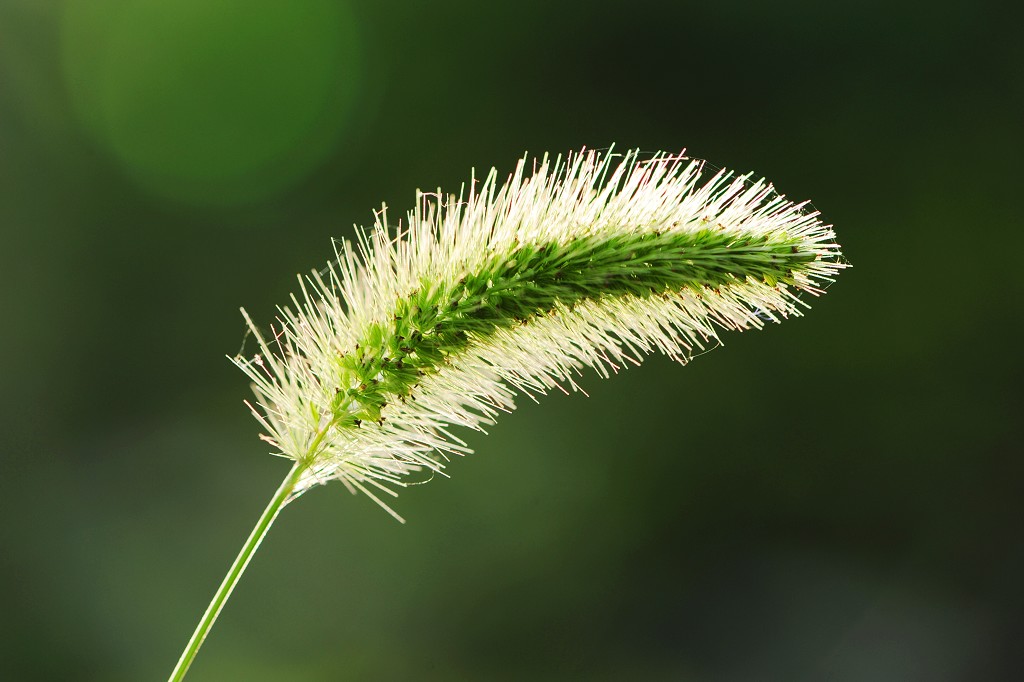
(509, 288)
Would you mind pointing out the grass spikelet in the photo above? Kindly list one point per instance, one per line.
(588, 261)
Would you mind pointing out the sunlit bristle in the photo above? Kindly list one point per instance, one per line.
(592, 260)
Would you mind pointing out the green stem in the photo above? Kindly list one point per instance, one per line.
(235, 572)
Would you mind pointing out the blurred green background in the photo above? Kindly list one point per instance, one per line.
(839, 497)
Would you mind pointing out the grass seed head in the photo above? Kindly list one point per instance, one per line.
(592, 260)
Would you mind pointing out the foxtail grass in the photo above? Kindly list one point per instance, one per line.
(592, 260)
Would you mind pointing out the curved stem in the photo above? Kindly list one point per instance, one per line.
(235, 572)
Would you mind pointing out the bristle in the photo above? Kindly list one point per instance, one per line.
(593, 261)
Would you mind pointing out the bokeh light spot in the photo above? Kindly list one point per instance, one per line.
(220, 101)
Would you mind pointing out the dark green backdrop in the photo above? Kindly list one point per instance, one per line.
(839, 497)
